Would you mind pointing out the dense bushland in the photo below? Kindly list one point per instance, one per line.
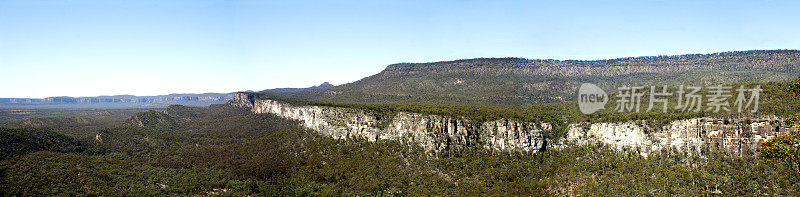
(225, 150)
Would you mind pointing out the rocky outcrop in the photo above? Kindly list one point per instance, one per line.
(733, 136)
(432, 132)
(738, 137)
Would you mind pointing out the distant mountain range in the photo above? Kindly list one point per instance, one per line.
(119, 101)
(131, 101)
(515, 81)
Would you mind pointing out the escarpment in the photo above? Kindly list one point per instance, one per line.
(435, 133)
(432, 132)
(737, 137)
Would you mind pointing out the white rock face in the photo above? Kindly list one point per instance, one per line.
(432, 132)
(735, 137)
(625, 134)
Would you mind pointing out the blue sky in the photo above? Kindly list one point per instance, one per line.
(90, 48)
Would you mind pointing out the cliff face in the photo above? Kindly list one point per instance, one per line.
(733, 136)
(432, 132)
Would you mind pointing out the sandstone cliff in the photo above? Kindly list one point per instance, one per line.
(434, 133)
(733, 136)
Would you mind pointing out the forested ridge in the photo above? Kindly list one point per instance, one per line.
(519, 81)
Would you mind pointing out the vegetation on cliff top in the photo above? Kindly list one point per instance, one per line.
(776, 99)
(785, 149)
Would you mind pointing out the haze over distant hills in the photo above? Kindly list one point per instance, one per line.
(514, 81)
(131, 101)
(118, 101)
